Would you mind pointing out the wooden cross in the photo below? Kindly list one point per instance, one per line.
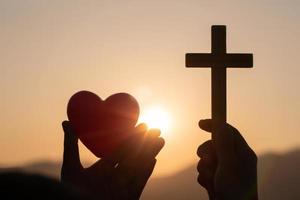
(218, 60)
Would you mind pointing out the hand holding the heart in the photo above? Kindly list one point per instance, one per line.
(122, 175)
(107, 129)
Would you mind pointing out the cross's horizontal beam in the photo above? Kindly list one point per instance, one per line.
(232, 60)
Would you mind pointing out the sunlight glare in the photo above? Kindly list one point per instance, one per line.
(156, 118)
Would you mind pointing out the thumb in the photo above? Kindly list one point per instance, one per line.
(71, 162)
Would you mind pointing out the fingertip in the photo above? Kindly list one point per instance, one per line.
(65, 124)
(205, 124)
(154, 132)
(142, 127)
(200, 123)
(160, 143)
(69, 134)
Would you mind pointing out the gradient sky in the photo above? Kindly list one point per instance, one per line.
(49, 49)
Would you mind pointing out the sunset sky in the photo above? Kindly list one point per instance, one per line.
(50, 49)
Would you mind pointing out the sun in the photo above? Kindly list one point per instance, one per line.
(156, 117)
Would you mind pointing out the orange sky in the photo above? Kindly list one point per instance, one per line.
(51, 49)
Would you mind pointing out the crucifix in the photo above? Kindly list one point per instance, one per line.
(218, 60)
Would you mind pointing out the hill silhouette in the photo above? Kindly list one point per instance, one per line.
(278, 176)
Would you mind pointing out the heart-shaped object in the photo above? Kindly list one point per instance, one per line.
(102, 125)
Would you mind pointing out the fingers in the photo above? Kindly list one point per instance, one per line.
(145, 145)
(71, 162)
(137, 165)
(131, 146)
(206, 174)
(229, 143)
(134, 161)
(207, 166)
(154, 132)
(141, 128)
(108, 164)
(222, 138)
(206, 149)
(137, 158)
(141, 140)
(128, 148)
(208, 163)
(207, 153)
(152, 144)
(120, 156)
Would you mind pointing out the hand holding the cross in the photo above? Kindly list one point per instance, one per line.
(227, 169)
(121, 176)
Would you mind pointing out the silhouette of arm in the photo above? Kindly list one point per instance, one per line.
(123, 175)
(228, 166)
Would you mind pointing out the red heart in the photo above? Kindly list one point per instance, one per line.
(102, 125)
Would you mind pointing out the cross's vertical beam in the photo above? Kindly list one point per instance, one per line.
(218, 77)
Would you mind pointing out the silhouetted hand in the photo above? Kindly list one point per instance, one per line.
(227, 168)
(123, 175)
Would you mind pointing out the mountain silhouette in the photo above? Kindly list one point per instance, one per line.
(47, 168)
(278, 177)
